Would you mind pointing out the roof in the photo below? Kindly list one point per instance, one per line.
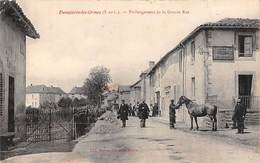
(43, 89)
(123, 88)
(235, 22)
(112, 96)
(136, 84)
(144, 72)
(226, 23)
(77, 90)
(12, 9)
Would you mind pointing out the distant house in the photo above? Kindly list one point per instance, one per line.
(37, 95)
(135, 95)
(14, 27)
(140, 91)
(217, 62)
(110, 98)
(124, 93)
(77, 92)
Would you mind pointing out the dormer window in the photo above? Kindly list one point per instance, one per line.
(245, 45)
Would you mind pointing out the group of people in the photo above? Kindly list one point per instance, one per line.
(142, 111)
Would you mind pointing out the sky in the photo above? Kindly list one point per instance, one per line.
(71, 44)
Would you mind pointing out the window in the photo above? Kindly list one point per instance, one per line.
(192, 46)
(1, 94)
(193, 87)
(223, 53)
(180, 62)
(245, 45)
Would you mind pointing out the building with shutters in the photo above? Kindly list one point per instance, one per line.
(217, 62)
(38, 95)
(14, 27)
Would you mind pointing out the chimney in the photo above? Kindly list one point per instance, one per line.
(151, 64)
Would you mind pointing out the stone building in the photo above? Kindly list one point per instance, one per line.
(135, 94)
(38, 95)
(109, 98)
(140, 90)
(124, 94)
(216, 63)
(14, 27)
(77, 92)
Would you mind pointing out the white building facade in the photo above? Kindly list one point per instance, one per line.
(215, 63)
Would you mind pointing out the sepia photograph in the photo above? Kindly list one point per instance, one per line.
(129, 81)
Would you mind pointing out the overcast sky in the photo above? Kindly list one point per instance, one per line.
(71, 44)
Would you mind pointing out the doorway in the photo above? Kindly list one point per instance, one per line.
(245, 88)
(244, 85)
(11, 125)
(158, 96)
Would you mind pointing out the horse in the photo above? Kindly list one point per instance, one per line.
(195, 110)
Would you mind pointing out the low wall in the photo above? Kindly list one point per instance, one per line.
(225, 118)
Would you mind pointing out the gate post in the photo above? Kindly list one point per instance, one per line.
(49, 124)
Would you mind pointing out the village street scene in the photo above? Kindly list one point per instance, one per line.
(129, 81)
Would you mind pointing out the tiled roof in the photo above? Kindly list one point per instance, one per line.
(235, 22)
(44, 89)
(77, 90)
(226, 23)
(136, 84)
(123, 88)
(12, 9)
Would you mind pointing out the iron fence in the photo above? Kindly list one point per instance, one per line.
(59, 124)
(251, 102)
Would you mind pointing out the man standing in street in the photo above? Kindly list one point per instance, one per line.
(239, 116)
(143, 113)
(155, 110)
(172, 112)
(123, 113)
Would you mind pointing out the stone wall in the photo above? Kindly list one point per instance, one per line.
(13, 64)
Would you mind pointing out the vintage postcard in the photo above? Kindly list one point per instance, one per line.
(129, 81)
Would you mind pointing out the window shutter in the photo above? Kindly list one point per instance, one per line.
(248, 45)
(257, 40)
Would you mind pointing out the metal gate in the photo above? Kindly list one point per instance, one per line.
(49, 124)
(59, 124)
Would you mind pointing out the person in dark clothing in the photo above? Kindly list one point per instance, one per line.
(123, 113)
(143, 113)
(155, 110)
(172, 112)
(239, 116)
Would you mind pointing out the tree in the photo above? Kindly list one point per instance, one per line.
(65, 102)
(76, 102)
(96, 83)
(82, 102)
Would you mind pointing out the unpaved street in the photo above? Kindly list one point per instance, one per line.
(155, 143)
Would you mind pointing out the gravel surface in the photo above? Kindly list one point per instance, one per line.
(106, 124)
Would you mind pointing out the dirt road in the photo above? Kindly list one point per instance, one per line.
(155, 143)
